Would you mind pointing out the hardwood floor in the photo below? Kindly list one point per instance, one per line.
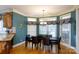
(26, 50)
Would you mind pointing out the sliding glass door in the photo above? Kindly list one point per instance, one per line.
(65, 28)
(66, 33)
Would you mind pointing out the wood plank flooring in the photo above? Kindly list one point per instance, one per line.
(26, 50)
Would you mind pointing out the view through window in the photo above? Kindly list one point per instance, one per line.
(46, 29)
(65, 29)
(31, 28)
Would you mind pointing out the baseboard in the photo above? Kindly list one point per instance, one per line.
(70, 47)
(77, 51)
(67, 45)
(18, 44)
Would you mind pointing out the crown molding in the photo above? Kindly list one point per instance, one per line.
(64, 12)
(16, 11)
(6, 10)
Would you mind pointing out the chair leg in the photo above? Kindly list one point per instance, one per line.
(58, 48)
(51, 47)
(37, 46)
(29, 43)
(32, 45)
(26, 44)
(44, 49)
(40, 44)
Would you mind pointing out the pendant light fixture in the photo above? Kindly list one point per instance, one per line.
(43, 18)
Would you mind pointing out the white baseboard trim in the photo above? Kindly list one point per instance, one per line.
(18, 44)
(69, 47)
(77, 51)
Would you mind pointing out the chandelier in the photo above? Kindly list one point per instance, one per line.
(43, 18)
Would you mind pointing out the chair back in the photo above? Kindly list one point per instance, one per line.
(39, 37)
(27, 37)
(49, 36)
(46, 40)
(34, 39)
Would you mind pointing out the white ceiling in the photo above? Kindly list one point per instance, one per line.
(36, 10)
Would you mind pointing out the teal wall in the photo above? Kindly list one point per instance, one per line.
(58, 26)
(37, 26)
(73, 28)
(19, 22)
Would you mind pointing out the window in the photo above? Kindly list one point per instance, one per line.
(32, 19)
(43, 29)
(66, 33)
(65, 29)
(48, 29)
(1, 25)
(65, 16)
(43, 23)
(48, 19)
(31, 29)
(2, 29)
(52, 30)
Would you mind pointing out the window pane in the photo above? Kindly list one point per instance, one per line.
(48, 19)
(31, 29)
(32, 19)
(52, 30)
(65, 16)
(43, 29)
(1, 25)
(48, 29)
(43, 23)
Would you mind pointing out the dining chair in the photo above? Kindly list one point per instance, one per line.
(27, 40)
(35, 41)
(46, 42)
(49, 36)
(40, 38)
(56, 42)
